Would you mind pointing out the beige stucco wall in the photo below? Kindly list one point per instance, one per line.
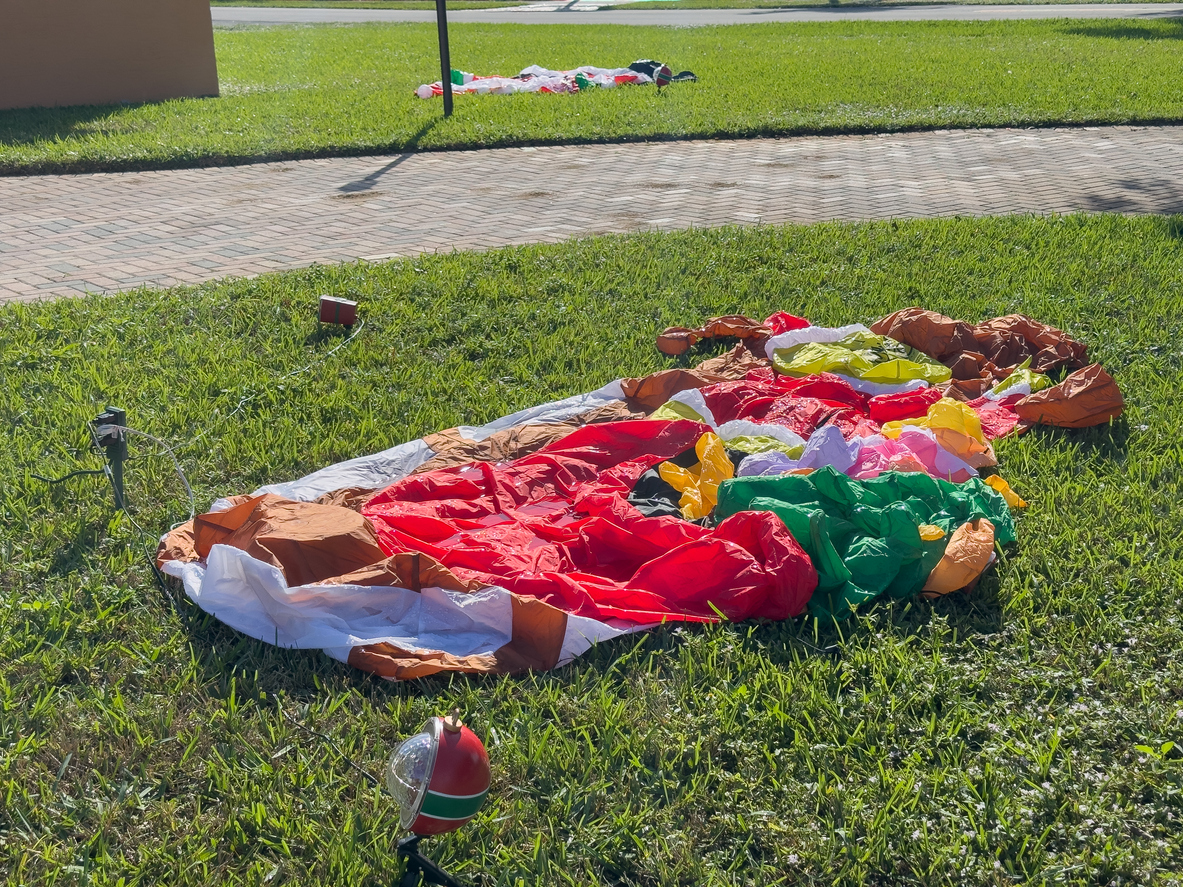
(91, 52)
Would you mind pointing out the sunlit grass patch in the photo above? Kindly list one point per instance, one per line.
(990, 739)
(308, 91)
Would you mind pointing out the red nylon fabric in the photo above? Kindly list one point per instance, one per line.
(557, 526)
(998, 417)
(905, 405)
(782, 322)
(805, 404)
(801, 404)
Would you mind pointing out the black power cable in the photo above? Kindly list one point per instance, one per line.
(53, 481)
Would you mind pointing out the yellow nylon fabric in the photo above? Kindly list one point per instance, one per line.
(699, 485)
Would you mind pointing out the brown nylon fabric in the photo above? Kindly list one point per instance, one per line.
(677, 340)
(352, 498)
(935, 334)
(964, 389)
(1010, 340)
(650, 392)
(989, 350)
(1087, 397)
(452, 449)
(536, 642)
(309, 542)
(406, 570)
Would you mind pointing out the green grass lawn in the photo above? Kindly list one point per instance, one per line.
(313, 91)
(986, 740)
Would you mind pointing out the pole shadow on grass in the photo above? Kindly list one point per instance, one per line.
(76, 553)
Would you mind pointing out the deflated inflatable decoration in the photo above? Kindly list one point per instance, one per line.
(810, 469)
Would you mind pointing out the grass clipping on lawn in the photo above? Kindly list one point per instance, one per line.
(1017, 734)
(310, 91)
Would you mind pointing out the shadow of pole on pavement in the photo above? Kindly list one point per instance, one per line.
(365, 184)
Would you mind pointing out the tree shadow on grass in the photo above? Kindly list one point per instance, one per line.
(1174, 227)
(1150, 28)
(27, 126)
(1109, 443)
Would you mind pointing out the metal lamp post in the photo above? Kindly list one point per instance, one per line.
(441, 21)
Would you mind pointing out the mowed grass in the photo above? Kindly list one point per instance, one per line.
(1018, 735)
(310, 91)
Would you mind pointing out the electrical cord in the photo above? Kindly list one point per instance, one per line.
(120, 496)
(172, 455)
(248, 398)
(325, 738)
(53, 481)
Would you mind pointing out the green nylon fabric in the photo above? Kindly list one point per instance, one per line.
(760, 444)
(863, 356)
(1037, 381)
(675, 409)
(863, 536)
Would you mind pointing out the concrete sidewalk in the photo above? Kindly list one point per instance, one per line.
(112, 231)
(544, 14)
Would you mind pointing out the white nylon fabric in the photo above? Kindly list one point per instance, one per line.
(253, 597)
(693, 398)
(367, 472)
(1023, 388)
(548, 413)
(826, 335)
(582, 632)
(874, 389)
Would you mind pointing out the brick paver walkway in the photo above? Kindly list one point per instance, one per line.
(61, 234)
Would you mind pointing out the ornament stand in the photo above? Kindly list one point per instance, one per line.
(419, 866)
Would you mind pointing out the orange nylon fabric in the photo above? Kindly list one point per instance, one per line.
(968, 554)
(678, 340)
(988, 350)
(647, 393)
(1087, 397)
